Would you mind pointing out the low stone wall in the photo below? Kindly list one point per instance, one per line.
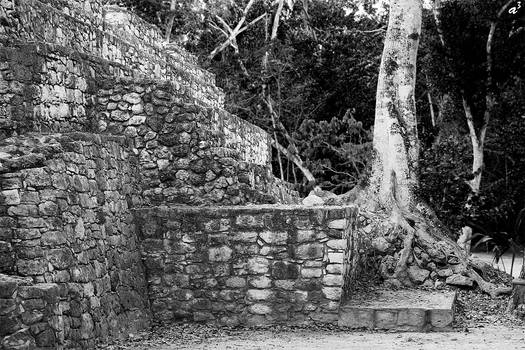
(65, 218)
(30, 314)
(250, 265)
(189, 154)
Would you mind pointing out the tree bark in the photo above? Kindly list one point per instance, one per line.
(396, 144)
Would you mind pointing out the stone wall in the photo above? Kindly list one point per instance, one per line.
(65, 217)
(189, 154)
(43, 88)
(33, 20)
(251, 265)
(30, 314)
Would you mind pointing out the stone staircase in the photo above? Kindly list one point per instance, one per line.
(400, 310)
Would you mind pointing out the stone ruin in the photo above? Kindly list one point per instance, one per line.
(128, 195)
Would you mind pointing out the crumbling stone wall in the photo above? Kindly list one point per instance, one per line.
(30, 314)
(65, 204)
(250, 265)
(45, 89)
(189, 154)
(33, 20)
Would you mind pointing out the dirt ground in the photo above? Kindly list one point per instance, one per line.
(481, 323)
(490, 337)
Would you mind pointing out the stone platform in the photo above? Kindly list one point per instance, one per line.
(402, 310)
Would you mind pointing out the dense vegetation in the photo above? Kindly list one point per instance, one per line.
(313, 87)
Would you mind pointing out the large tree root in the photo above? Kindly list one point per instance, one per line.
(414, 248)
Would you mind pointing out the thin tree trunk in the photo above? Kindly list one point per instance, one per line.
(296, 160)
(431, 107)
(169, 27)
(477, 139)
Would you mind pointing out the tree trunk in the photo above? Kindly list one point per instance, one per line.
(406, 244)
(396, 144)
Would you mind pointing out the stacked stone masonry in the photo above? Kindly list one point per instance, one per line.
(188, 154)
(65, 221)
(253, 265)
(101, 123)
(30, 21)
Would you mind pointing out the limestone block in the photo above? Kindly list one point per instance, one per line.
(259, 294)
(256, 320)
(335, 258)
(285, 284)
(338, 224)
(137, 120)
(61, 258)
(258, 265)
(260, 282)
(282, 270)
(441, 318)
(86, 326)
(137, 108)
(48, 208)
(332, 293)
(271, 237)
(80, 183)
(120, 116)
(334, 268)
(132, 98)
(385, 319)
(339, 244)
(31, 267)
(311, 272)
(306, 236)
(309, 251)
(411, 319)
(23, 210)
(80, 229)
(260, 309)
(223, 253)
(236, 282)
(333, 280)
(10, 197)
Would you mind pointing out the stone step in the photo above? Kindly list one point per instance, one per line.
(401, 310)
